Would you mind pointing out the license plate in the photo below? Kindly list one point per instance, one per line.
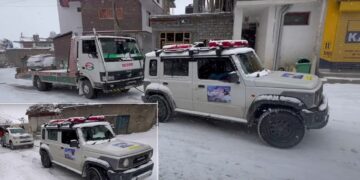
(142, 176)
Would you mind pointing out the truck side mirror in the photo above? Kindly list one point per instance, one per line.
(74, 143)
(234, 77)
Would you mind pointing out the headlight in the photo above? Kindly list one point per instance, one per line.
(125, 162)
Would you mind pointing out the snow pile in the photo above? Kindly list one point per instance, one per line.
(43, 108)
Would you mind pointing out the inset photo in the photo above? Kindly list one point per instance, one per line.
(77, 141)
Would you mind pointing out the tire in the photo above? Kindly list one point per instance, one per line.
(45, 159)
(88, 90)
(281, 128)
(11, 145)
(41, 86)
(93, 173)
(164, 110)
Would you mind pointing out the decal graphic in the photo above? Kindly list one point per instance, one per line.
(69, 153)
(122, 145)
(308, 77)
(134, 147)
(89, 66)
(219, 94)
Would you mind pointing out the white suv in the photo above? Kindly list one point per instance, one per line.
(227, 81)
(17, 137)
(88, 147)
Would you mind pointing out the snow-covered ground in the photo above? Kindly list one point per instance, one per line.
(22, 91)
(196, 147)
(25, 164)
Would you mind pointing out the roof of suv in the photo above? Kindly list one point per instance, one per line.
(202, 52)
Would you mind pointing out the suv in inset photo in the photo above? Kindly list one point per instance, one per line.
(227, 81)
(88, 146)
(17, 137)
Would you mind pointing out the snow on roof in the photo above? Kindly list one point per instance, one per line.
(90, 124)
(102, 36)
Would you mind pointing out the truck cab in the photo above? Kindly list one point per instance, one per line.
(96, 63)
(227, 81)
(15, 137)
(88, 146)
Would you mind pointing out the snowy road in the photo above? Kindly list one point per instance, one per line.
(195, 147)
(25, 164)
(22, 91)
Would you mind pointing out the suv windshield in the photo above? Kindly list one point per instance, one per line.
(120, 49)
(15, 131)
(250, 63)
(95, 133)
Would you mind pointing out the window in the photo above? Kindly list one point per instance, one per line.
(250, 63)
(68, 135)
(95, 133)
(52, 134)
(297, 18)
(215, 68)
(148, 18)
(89, 47)
(174, 38)
(176, 67)
(153, 67)
(43, 134)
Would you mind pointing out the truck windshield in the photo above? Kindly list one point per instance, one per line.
(250, 63)
(116, 49)
(16, 131)
(95, 133)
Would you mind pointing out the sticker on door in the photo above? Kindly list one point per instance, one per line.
(219, 94)
(69, 153)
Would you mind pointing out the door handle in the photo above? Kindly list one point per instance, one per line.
(165, 83)
(201, 86)
(61, 147)
(83, 67)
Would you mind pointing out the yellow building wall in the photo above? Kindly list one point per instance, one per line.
(342, 21)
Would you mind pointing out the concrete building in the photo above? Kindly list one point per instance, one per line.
(115, 17)
(35, 42)
(281, 31)
(124, 118)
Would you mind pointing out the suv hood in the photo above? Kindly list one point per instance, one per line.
(288, 80)
(21, 135)
(116, 147)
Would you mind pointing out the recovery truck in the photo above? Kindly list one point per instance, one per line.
(95, 63)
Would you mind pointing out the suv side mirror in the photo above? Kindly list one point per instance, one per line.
(74, 143)
(234, 77)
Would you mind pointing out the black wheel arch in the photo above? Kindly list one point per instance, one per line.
(164, 94)
(46, 151)
(259, 105)
(88, 164)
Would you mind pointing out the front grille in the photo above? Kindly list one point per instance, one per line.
(24, 137)
(120, 75)
(24, 141)
(141, 159)
(318, 96)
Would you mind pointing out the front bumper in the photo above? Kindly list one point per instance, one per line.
(138, 173)
(117, 86)
(20, 143)
(317, 118)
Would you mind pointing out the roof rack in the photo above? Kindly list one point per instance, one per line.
(73, 120)
(219, 46)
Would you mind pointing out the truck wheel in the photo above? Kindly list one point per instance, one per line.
(41, 86)
(88, 90)
(281, 128)
(45, 159)
(93, 173)
(11, 146)
(164, 110)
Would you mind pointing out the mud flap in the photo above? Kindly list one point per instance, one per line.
(80, 87)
